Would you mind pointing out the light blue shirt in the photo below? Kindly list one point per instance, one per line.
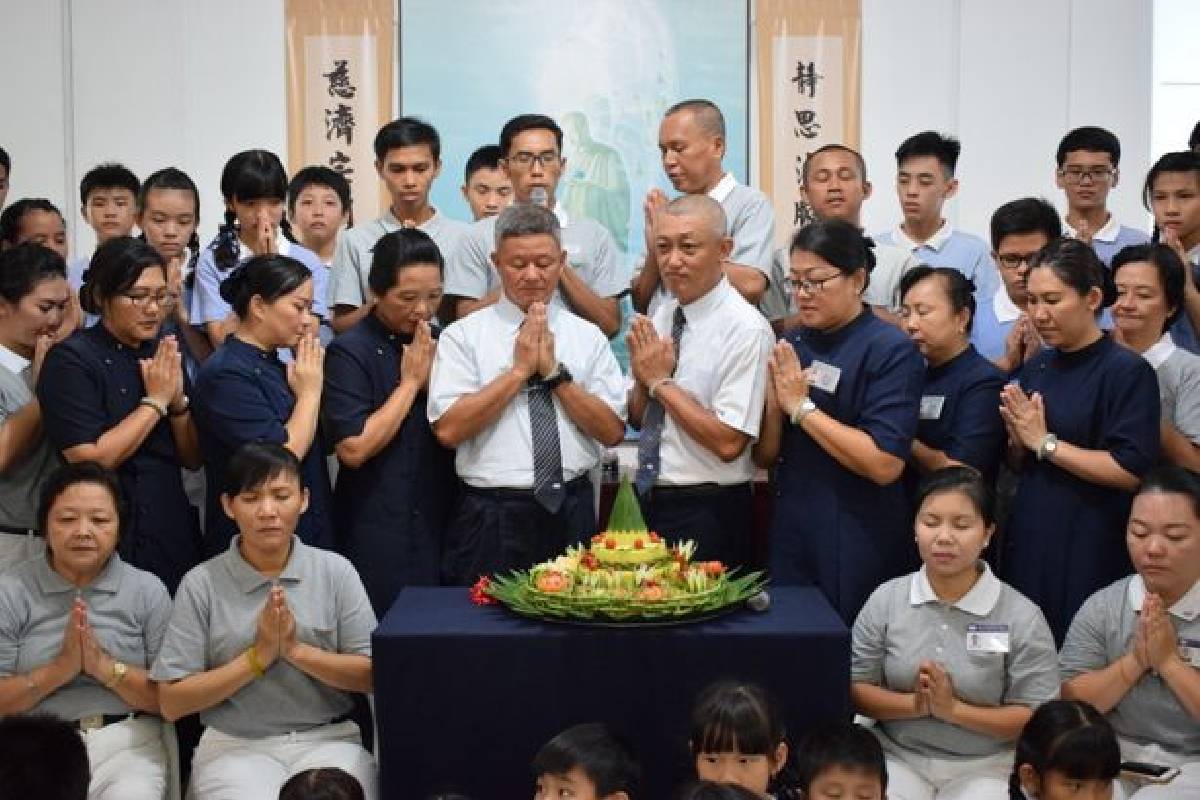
(962, 251)
(207, 304)
(994, 318)
(1110, 239)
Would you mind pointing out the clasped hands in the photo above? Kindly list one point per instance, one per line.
(933, 693)
(1154, 645)
(1024, 416)
(81, 651)
(533, 350)
(275, 637)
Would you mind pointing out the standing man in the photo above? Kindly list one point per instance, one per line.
(486, 188)
(530, 395)
(408, 157)
(692, 142)
(700, 370)
(590, 284)
(1087, 171)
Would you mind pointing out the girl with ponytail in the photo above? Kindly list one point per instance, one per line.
(1066, 750)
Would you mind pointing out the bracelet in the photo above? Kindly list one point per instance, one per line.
(255, 665)
(652, 389)
(150, 402)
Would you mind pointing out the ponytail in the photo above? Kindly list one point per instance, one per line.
(227, 248)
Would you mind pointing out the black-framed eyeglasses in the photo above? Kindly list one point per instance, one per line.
(525, 159)
(1078, 174)
(143, 299)
(809, 285)
(1014, 260)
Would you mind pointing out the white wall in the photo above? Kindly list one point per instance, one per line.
(159, 82)
(1176, 93)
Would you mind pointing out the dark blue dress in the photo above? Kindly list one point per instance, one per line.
(831, 527)
(960, 413)
(88, 385)
(1066, 536)
(391, 512)
(242, 395)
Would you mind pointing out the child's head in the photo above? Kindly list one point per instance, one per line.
(108, 194)
(168, 211)
(841, 760)
(254, 186)
(587, 761)
(1172, 194)
(925, 165)
(486, 187)
(318, 202)
(1067, 750)
(712, 790)
(34, 219)
(1087, 160)
(738, 737)
(5, 174)
(323, 783)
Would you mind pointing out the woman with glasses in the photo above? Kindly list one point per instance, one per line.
(842, 409)
(115, 394)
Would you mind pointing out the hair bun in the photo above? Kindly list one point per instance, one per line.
(234, 285)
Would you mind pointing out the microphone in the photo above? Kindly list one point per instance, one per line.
(539, 196)
(759, 602)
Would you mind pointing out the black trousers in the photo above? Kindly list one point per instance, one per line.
(500, 530)
(717, 518)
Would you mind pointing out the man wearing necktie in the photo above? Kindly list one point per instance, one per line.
(699, 368)
(530, 395)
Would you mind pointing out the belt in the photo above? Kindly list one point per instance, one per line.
(695, 489)
(506, 493)
(94, 722)
(15, 531)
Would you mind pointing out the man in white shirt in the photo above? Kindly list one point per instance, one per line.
(834, 184)
(692, 142)
(591, 282)
(408, 157)
(530, 395)
(700, 370)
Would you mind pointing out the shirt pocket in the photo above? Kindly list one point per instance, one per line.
(319, 630)
(984, 679)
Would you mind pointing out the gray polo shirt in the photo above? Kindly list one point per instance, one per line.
(1178, 373)
(128, 609)
(590, 248)
(903, 624)
(21, 485)
(1149, 713)
(215, 619)
(352, 257)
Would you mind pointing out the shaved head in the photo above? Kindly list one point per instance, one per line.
(708, 117)
(703, 207)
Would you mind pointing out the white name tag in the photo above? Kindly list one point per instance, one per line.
(983, 638)
(824, 376)
(931, 406)
(1189, 652)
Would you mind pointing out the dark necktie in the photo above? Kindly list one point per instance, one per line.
(650, 442)
(548, 487)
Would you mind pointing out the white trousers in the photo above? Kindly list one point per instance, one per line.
(914, 777)
(128, 760)
(15, 548)
(235, 768)
(1185, 786)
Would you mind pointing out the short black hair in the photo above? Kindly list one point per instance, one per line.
(1027, 215)
(115, 267)
(930, 143)
(1076, 265)
(43, 757)
(70, 474)
(318, 175)
(486, 157)
(837, 242)
(24, 266)
(322, 783)
(528, 122)
(828, 148)
(1179, 161)
(1069, 737)
(714, 790)
(109, 175)
(707, 114)
(270, 276)
(1091, 139)
(597, 752)
(255, 463)
(964, 480)
(399, 249)
(1171, 479)
(1193, 140)
(839, 744)
(1172, 273)
(5, 160)
(407, 132)
(960, 290)
(14, 214)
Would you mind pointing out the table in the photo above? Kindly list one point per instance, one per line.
(465, 695)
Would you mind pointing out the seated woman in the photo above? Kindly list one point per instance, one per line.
(78, 631)
(266, 642)
(1132, 649)
(949, 660)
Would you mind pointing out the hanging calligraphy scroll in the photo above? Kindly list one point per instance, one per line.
(340, 67)
(809, 85)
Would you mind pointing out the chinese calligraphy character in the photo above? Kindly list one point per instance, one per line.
(806, 124)
(339, 162)
(339, 80)
(339, 123)
(806, 78)
(802, 215)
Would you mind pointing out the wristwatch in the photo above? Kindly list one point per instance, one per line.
(560, 374)
(119, 670)
(1047, 448)
(806, 407)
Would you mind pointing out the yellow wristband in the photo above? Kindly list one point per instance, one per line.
(255, 665)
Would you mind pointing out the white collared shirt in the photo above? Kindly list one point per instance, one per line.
(1160, 351)
(1107, 232)
(723, 187)
(723, 365)
(935, 242)
(980, 600)
(1006, 310)
(1187, 608)
(477, 349)
(13, 362)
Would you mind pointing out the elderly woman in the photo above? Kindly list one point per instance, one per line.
(78, 631)
(1134, 647)
(950, 660)
(266, 642)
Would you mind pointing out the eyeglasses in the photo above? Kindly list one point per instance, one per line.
(809, 285)
(1077, 174)
(525, 159)
(143, 299)
(1014, 260)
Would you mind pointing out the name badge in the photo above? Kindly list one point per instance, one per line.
(824, 376)
(931, 406)
(1189, 652)
(983, 638)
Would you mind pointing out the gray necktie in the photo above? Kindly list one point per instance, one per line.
(548, 487)
(650, 442)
